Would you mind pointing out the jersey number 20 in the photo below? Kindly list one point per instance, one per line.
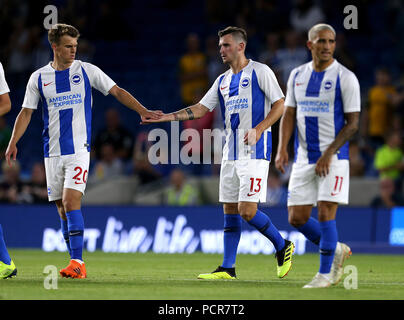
(81, 176)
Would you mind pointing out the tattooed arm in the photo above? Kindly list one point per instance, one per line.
(195, 111)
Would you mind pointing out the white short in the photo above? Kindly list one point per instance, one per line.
(306, 188)
(243, 180)
(70, 171)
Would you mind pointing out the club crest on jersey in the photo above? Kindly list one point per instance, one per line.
(76, 78)
(328, 85)
(245, 82)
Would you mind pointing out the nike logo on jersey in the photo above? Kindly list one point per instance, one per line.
(222, 88)
(47, 84)
(251, 194)
(299, 83)
(334, 193)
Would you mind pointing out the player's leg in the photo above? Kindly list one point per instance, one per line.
(331, 250)
(300, 218)
(63, 224)
(7, 266)
(253, 188)
(75, 224)
(260, 221)
(76, 169)
(231, 239)
(4, 256)
(329, 235)
(231, 234)
(328, 242)
(302, 192)
(332, 190)
(228, 195)
(55, 177)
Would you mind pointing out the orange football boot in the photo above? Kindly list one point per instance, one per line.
(74, 270)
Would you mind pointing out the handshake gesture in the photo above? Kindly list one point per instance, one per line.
(189, 113)
(155, 117)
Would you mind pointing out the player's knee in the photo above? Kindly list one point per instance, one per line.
(71, 200)
(327, 210)
(296, 221)
(246, 211)
(70, 204)
(246, 215)
(230, 208)
(66, 204)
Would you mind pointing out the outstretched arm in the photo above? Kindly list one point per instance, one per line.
(130, 101)
(20, 126)
(195, 111)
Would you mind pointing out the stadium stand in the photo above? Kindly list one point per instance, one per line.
(141, 53)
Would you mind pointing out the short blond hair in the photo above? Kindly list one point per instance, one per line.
(313, 32)
(59, 30)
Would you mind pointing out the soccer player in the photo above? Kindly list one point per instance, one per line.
(251, 101)
(322, 108)
(7, 266)
(64, 88)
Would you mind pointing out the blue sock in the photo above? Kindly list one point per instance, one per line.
(75, 224)
(65, 232)
(264, 225)
(311, 230)
(4, 256)
(231, 238)
(328, 243)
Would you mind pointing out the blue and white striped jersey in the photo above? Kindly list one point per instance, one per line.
(321, 99)
(245, 100)
(67, 102)
(3, 84)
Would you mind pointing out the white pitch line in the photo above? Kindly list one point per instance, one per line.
(280, 281)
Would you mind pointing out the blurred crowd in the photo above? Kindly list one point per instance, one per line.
(277, 35)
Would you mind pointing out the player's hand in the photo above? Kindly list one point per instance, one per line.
(281, 160)
(11, 153)
(151, 114)
(162, 118)
(323, 165)
(252, 136)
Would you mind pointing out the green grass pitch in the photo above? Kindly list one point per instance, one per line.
(149, 276)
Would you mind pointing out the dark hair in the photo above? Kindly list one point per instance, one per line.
(59, 30)
(235, 31)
